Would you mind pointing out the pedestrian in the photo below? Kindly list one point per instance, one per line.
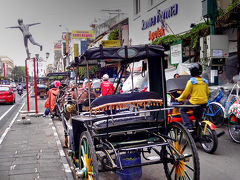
(107, 87)
(176, 76)
(197, 89)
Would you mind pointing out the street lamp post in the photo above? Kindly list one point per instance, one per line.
(35, 84)
(67, 42)
(37, 58)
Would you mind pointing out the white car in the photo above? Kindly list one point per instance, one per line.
(13, 86)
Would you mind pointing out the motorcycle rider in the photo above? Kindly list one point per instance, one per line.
(107, 87)
(197, 89)
(19, 88)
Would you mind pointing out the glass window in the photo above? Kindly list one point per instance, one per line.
(4, 88)
(151, 2)
(136, 7)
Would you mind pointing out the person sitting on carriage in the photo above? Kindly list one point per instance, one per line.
(197, 89)
(51, 99)
(106, 86)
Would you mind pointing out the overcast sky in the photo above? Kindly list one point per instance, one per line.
(73, 14)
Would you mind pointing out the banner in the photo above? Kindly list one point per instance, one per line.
(75, 50)
(58, 46)
(83, 34)
(83, 46)
(111, 43)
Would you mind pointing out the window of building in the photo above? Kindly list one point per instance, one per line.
(151, 3)
(136, 7)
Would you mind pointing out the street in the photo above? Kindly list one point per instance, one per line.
(221, 165)
(7, 112)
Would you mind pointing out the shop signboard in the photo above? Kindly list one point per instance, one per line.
(111, 43)
(81, 34)
(176, 52)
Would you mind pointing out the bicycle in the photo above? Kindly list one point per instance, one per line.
(215, 111)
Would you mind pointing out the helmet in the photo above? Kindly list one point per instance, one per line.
(105, 77)
(57, 84)
(195, 69)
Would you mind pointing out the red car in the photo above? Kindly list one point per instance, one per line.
(6, 94)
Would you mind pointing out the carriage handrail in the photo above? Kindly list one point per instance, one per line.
(106, 116)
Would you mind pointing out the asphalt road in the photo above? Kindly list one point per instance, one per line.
(7, 112)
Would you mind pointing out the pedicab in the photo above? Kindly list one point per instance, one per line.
(121, 132)
(233, 111)
(204, 131)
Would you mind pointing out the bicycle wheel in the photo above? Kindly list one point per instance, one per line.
(208, 140)
(234, 128)
(182, 161)
(215, 114)
(87, 157)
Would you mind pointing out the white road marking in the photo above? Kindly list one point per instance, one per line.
(6, 112)
(67, 168)
(10, 125)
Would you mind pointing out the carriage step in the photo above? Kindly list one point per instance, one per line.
(142, 146)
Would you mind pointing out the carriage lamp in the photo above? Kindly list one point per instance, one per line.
(70, 107)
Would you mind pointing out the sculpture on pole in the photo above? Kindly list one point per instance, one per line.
(24, 28)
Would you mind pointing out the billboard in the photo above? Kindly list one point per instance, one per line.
(111, 43)
(80, 34)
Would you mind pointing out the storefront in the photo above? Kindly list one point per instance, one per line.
(162, 18)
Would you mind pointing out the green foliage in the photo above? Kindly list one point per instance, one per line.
(193, 35)
(114, 35)
(234, 4)
(18, 73)
(92, 71)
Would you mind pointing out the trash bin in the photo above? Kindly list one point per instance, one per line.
(129, 173)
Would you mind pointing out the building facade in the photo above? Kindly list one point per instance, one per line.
(6, 66)
(155, 18)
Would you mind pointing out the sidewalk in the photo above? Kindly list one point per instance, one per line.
(33, 151)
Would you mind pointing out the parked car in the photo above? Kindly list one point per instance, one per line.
(6, 94)
(13, 86)
(42, 90)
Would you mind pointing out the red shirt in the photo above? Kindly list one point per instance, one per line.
(107, 88)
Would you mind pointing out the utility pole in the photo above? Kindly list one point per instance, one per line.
(213, 13)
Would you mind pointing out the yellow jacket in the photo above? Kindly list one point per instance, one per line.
(197, 89)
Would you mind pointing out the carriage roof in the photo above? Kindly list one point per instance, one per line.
(124, 54)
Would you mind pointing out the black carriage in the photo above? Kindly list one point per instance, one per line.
(127, 127)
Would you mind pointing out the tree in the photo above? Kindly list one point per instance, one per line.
(18, 73)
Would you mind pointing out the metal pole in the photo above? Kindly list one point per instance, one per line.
(27, 85)
(89, 96)
(37, 70)
(35, 85)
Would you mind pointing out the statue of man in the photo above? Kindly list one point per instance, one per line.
(26, 35)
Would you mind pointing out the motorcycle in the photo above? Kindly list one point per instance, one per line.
(20, 92)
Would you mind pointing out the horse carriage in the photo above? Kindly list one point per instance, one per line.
(121, 132)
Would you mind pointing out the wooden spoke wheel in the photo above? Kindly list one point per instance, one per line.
(87, 157)
(182, 161)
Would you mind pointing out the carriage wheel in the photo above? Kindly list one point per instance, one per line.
(182, 161)
(87, 157)
(234, 128)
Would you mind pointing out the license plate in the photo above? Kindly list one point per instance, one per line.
(2, 100)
